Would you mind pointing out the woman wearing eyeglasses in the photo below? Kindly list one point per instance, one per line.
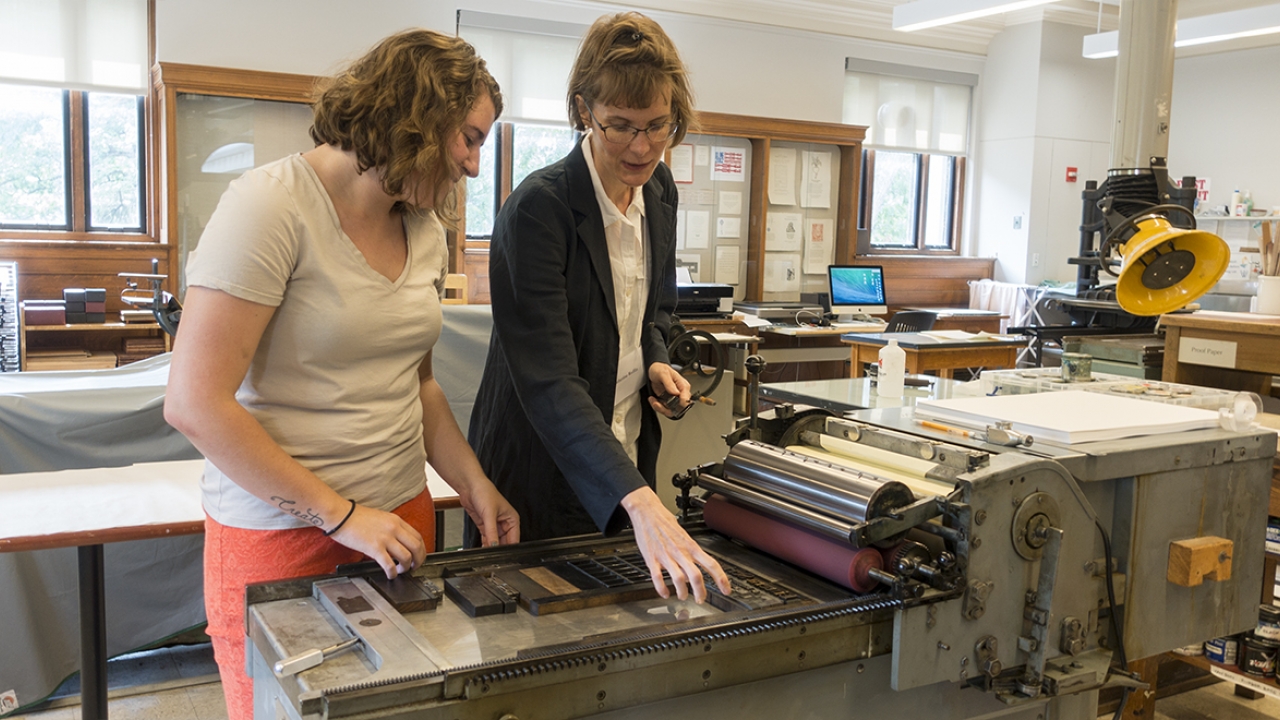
(582, 280)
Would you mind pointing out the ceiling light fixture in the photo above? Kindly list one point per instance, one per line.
(923, 14)
(1249, 22)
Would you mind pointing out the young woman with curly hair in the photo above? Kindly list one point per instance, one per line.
(302, 366)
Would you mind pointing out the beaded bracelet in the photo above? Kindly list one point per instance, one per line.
(338, 527)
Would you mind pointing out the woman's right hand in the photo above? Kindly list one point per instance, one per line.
(385, 538)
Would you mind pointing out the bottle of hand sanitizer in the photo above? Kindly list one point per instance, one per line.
(893, 364)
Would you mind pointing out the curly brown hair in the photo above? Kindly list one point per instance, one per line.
(400, 106)
(627, 60)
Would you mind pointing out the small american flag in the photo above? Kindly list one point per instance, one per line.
(728, 161)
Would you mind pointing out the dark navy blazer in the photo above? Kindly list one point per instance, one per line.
(541, 423)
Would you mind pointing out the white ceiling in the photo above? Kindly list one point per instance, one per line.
(873, 19)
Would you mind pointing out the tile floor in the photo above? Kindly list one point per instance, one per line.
(181, 684)
(176, 683)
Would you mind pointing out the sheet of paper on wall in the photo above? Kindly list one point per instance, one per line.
(685, 195)
(728, 227)
(697, 230)
(682, 163)
(782, 176)
(782, 272)
(681, 227)
(818, 241)
(727, 264)
(690, 263)
(815, 179)
(704, 197)
(782, 231)
(701, 155)
(728, 163)
(730, 202)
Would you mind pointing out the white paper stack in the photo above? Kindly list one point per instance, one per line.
(1067, 418)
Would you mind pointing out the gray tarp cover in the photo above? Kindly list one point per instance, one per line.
(112, 418)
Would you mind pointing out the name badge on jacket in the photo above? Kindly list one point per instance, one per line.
(631, 376)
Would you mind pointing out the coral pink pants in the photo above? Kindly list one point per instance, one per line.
(235, 557)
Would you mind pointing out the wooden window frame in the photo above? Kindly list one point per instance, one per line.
(955, 220)
(75, 128)
(87, 170)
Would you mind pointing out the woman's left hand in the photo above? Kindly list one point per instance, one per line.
(665, 382)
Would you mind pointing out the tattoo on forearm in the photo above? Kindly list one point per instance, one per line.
(307, 516)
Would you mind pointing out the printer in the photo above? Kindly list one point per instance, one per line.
(780, 312)
(704, 300)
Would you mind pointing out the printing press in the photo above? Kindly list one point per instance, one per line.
(879, 569)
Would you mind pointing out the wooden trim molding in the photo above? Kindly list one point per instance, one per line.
(758, 206)
(233, 82)
(710, 123)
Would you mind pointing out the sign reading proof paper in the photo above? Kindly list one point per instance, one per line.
(1201, 351)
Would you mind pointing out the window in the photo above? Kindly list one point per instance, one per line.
(917, 122)
(113, 161)
(72, 122)
(71, 160)
(513, 151)
(531, 59)
(910, 201)
(482, 190)
(33, 158)
(536, 146)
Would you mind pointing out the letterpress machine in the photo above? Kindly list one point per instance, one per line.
(880, 569)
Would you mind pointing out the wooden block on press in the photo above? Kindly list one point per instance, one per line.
(1195, 560)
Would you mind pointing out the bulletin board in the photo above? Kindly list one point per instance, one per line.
(713, 176)
(800, 218)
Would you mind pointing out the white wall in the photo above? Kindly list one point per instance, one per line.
(1074, 117)
(1005, 150)
(1046, 109)
(1225, 123)
(311, 37)
(737, 67)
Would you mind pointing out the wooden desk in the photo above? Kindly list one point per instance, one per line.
(808, 352)
(1199, 349)
(86, 509)
(925, 353)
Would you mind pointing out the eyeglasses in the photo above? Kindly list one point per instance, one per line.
(625, 134)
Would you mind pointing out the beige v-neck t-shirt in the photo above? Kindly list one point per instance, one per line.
(335, 377)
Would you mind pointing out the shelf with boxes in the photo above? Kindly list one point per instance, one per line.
(89, 346)
(73, 334)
